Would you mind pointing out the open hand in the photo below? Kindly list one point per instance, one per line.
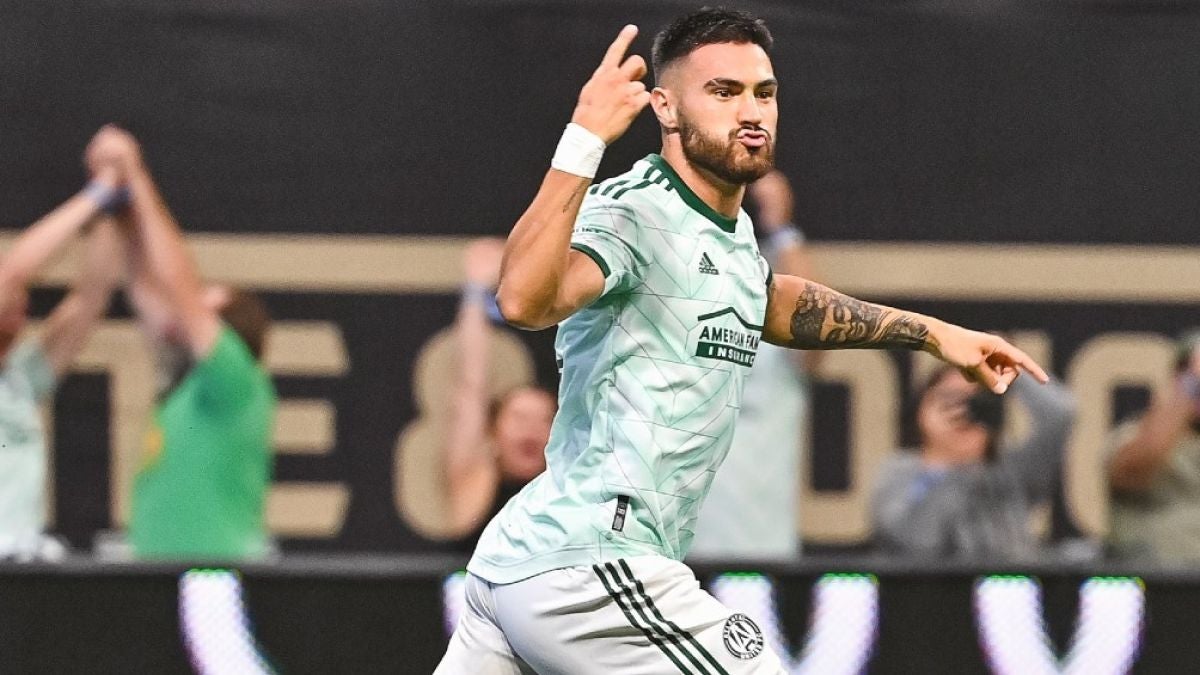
(610, 101)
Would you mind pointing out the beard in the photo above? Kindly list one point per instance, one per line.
(727, 158)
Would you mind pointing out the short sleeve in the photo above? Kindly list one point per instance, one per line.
(228, 374)
(606, 231)
(28, 368)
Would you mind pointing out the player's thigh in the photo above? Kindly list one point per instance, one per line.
(711, 637)
(478, 646)
(642, 616)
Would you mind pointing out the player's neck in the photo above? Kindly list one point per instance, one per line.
(722, 197)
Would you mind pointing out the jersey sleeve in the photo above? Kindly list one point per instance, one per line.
(28, 368)
(229, 375)
(607, 232)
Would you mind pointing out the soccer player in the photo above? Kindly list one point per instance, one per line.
(207, 461)
(662, 297)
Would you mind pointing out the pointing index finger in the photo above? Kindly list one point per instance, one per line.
(616, 51)
(1026, 362)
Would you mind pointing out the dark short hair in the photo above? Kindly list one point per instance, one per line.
(707, 26)
(246, 314)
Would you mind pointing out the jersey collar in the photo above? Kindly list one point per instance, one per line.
(690, 198)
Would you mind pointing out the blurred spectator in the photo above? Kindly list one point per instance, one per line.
(33, 366)
(752, 507)
(493, 446)
(1154, 470)
(964, 493)
(207, 463)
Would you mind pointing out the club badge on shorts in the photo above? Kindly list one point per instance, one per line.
(743, 639)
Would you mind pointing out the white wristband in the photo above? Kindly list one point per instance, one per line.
(579, 152)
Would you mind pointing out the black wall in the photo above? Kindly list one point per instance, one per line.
(972, 121)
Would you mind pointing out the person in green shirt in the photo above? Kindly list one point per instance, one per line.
(207, 459)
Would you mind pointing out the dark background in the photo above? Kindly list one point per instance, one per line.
(964, 120)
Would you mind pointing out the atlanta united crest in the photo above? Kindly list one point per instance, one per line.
(743, 639)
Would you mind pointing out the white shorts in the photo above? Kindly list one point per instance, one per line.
(635, 616)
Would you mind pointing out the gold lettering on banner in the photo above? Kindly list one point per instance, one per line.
(312, 509)
(1029, 273)
(305, 427)
(1100, 366)
(417, 460)
(845, 517)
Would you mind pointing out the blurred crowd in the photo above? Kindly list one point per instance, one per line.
(968, 487)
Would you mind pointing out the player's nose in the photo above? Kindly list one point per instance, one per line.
(749, 109)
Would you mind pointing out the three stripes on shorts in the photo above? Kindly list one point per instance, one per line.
(677, 644)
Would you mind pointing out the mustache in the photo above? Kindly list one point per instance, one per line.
(750, 127)
(732, 134)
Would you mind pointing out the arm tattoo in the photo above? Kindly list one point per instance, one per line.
(826, 319)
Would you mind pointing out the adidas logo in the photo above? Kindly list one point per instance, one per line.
(706, 265)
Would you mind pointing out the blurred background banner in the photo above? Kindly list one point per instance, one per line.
(1020, 166)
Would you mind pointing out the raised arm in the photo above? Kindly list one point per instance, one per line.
(67, 328)
(806, 315)
(543, 281)
(1138, 460)
(45, 238)
(165, 254)
(783, 244)
(469, 464)
(1036, 460)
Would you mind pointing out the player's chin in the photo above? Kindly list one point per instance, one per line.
(751, 167)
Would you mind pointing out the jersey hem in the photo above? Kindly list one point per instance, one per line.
(499, 573)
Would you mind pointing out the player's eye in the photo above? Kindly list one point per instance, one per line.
(723, 93)
(766, 94)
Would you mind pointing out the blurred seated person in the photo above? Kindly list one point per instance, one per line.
(493, 447)
(1154, 471)
(32, 365)
(200, 492)
(965, 492)
(752, 508)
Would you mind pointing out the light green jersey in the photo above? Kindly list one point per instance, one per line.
(652, 376)
(26, 381)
